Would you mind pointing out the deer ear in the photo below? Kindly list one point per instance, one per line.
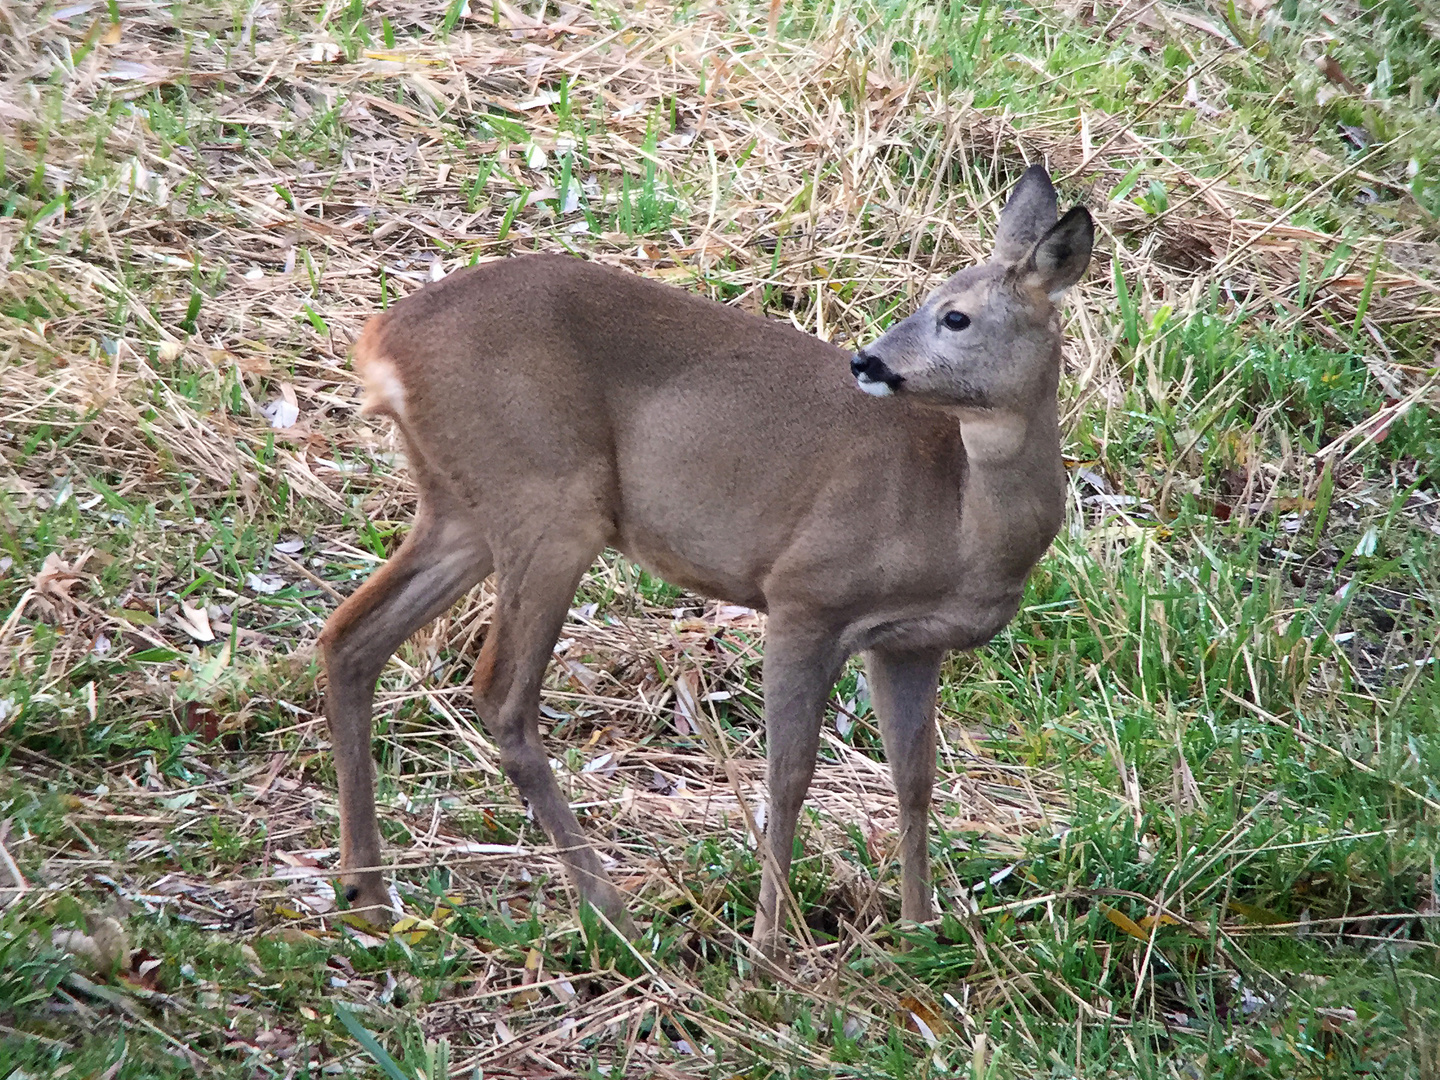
(1028, 213)
(1059, 258)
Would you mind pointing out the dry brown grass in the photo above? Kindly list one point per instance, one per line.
(323, 184)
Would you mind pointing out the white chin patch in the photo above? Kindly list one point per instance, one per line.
(873, 387)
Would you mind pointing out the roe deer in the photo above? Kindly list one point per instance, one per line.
(551, 407)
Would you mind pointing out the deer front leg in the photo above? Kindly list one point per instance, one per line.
(438, 562)
(902, 689)
(801, 665)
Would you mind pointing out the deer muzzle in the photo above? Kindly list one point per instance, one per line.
(872, 376)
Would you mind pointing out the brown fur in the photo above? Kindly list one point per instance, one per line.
(552, 407)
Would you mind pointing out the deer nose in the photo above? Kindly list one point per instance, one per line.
(869, 368)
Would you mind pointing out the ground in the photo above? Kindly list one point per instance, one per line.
(1187, 817)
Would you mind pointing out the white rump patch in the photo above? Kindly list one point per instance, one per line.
(384, 393)
(873, 387)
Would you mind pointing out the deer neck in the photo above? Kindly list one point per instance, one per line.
(1014, 493)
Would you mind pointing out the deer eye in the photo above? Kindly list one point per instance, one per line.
(956, 320)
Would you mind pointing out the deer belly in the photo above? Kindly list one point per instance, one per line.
(694, 566)
(953, 624)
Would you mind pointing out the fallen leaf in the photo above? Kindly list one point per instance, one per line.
(298, 858)
(250, 363)
(926, 1012)
(564, 990)
(201, 721)
(734, 615)
(1124, 922)
(1258, 915)
(55, 581)
(1381, 421)
(274, 1039)
(1290, 504)
(266, 584)
(355, 925)
(534, 964)
(587, 679)
(195, 621)
(283, 411)
(604, 764)
(1331, 69)
(143, 971)
(1334, 1020)
(1150, 921)
(413, 930)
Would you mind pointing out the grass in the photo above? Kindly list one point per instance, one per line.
(1187, 817)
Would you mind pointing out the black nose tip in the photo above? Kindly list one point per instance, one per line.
(871, 367)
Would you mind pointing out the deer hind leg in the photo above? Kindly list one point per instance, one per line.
(439, 560)
(799, 670)
(902, 688)
(533, 595)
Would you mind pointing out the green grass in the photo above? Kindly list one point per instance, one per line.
(1187, 818)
